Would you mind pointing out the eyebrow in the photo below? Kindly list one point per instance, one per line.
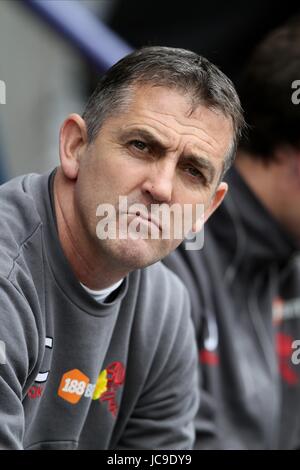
(201, 162)
(148, 136)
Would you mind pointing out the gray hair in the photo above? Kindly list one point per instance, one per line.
(175, 68)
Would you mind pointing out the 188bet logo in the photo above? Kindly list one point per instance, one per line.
(75, 384)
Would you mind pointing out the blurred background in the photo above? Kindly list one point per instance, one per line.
(53, 51)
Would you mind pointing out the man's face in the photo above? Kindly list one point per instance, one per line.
(156, 152)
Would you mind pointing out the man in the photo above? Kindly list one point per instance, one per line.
(245, 283)
(99, 347)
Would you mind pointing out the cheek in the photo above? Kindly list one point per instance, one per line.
(127, 178)
(101, 180)
(187, 191)
(205, 197)
(193, 201)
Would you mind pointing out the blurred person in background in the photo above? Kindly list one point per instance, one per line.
(100, 347)
(245, 283)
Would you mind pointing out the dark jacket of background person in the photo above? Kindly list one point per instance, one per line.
(245, 283)
(245, 292)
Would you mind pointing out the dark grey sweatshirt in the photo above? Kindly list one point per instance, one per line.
(245, 292)
(79, 374)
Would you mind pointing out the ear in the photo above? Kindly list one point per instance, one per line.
(72, 143)
(213, 205)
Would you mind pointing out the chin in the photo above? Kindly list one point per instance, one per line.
(136, 254)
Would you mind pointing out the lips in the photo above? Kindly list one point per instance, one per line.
(146, 217)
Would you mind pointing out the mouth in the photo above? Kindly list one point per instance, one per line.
(146, 218)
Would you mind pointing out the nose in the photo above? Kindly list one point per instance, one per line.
(159, 183)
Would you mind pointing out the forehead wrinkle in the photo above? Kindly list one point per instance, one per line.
(144, 128)
(209, 144)
(187, 124)
(184, 132)
(153, 123)
(168, 140)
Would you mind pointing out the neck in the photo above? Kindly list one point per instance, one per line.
(88, 263)
(276, 185)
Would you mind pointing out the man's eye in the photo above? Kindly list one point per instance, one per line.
(138, 144)
(195, 173)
